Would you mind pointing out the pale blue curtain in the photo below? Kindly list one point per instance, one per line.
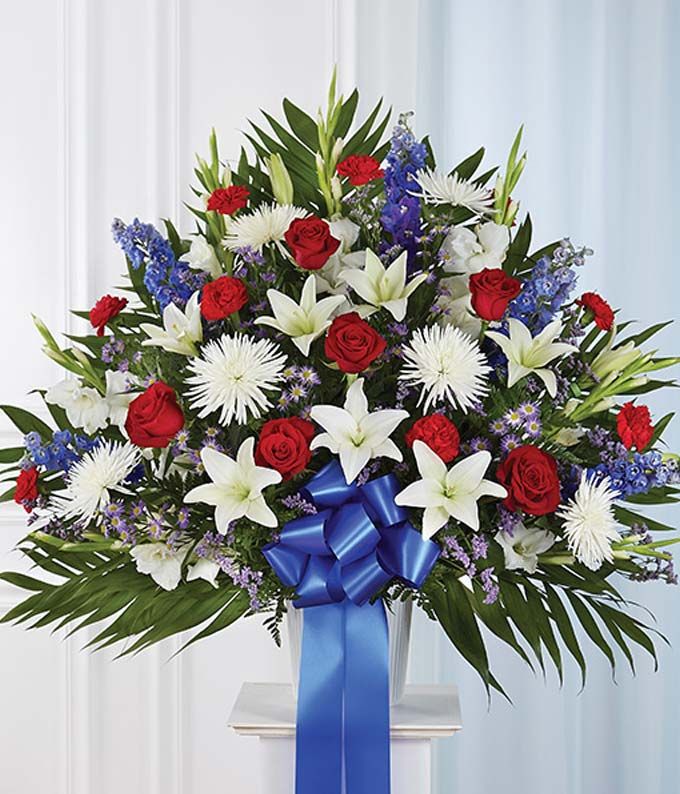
(596, 84)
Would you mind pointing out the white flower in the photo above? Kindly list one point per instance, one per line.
(527, 354)
(521, 549)
(236, 487)
(328, 278)
(160, 562)
(469, 252)
(303, 322)
(202, 256)
(345, 230)
(448, 364)
(569, 436)
(267, 224)
(205, 569)
(589, 523)
(84, 406)
(439, 188)
(91, 480)
(614, 359)
(118, 396)
(455, 306)
(232, 376)
(354, 434)
(382, 287)
(448, 493)
(181, 329)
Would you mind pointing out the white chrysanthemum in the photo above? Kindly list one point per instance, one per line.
(91, 480)
(589, 523)
(232, 375)
(448, 364)
(439, 188)
(266, 224)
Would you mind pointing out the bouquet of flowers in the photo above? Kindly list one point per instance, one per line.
(353, 381)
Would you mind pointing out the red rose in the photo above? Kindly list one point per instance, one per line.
(154, 417)
(26, 491)
(602, 311)
(106, 309)
(311, 242)
(226, 200)
(284, 445)
(352, 343)
(439, 433)
(634, 426)
(360, 169)
(492, 290)
(530, 477)
(223, 297)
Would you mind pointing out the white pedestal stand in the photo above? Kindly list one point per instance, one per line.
(425, 713)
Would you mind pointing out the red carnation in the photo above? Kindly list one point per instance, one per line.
(311, 242)
(352, 343)
(283, 445)
(602, 311)
(223, 297)
(106, 309)
(360, 169)
(530, 477)
(226, 200)
(154, 417)
(634, 426)
(26, 491)
(439, 433)
(491, 290)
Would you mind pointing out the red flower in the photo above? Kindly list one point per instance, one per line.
(602, 311)
(283, 445)
(311, 242)
(491, 291)
(530, 477)
(106, 309)
(154, 417)
(26, 491)
(352, 343)
(223, 297)
(634, 426)
(226, 200)
(439, 433)
(360, 169)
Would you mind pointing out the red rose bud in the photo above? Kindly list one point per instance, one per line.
(360, 169)
(226, 200)
(530, 477)
(439, 433)
(352, 343)
(311, 242)
(491, 290)
(26, 491)
(223, 297)
(106, 309)
(154, 417)
(283, 445)
(602, 312)
(634, 426)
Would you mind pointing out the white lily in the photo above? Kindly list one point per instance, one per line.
(383, 287)
(160, 562)
(528, 354)
(303, 322)
(204, 569)
(181, 329)
(448, 493)
(521, 549)
(202, 256)
(614, 359)
(356, 435)
(236, 487)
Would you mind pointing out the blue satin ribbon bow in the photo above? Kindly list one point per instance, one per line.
(337, 560)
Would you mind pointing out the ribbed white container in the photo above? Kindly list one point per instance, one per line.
(399, 625)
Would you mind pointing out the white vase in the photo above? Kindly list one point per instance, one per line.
(399, 625)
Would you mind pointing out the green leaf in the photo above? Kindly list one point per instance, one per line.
(517, 251)
(591, 628)
(467, 167)
(346, 116)
(12, 454)
(561, 618)
(302, 125)
(494, 618)
(538, 610)
(520, 614)
(26, 422)
(630, 518)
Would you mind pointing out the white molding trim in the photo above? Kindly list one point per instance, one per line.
(343, 47)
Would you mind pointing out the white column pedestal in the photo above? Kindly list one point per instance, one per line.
(267, 711)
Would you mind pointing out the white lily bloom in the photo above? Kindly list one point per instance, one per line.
(521, 549)
(118, 396)
(528, 354)
(84, 406)
(205, 569)
(381, 287)
(303, 322)
(160, 562)
(614, 359)
(202, 256)
(346, 231)
(356, 435)
(437, 187)
(448, 493)
(471, 251)
(181, 329)
(236, 487)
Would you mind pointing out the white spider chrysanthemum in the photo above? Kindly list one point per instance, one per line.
(439, 188)
(232, 375)
(589, 523)
(448, 364)
(266, 224)
(91, 480)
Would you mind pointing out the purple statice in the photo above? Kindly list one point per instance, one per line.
(398, 329)
(650, 569)
(452, 550)
(299, 504)
(367, 472)
(489, 586)
(508, 520)
(480, 547)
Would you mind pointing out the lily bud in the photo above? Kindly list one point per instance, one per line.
(337, 150)
(282, 185)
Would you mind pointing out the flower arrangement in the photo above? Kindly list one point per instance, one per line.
(347, 307)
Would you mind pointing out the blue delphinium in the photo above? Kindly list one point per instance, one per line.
(58, 453)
